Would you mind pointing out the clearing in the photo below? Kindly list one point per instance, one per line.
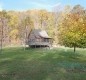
(42, 64)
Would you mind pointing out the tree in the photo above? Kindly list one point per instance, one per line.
(72, 30)
(43, 17)
(28, 27)
(13, 26)
(59, 14)
(3, 28)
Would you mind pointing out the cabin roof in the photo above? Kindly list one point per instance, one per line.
(39, 32)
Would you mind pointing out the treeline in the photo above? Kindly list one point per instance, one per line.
(16, 26)
(66, 27)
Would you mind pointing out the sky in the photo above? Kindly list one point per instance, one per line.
(22, 5)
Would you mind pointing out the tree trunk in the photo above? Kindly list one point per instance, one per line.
(2, 36)
(74, 48)
(41, 25)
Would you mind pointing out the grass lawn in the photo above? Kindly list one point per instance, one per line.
(42, 64)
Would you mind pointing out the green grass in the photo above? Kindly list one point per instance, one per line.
(42, 64)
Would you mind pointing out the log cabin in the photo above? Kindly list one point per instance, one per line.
(39, 38)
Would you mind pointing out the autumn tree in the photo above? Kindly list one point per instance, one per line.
(3, 28)
(13, 26)
(43, 17)
(28, 26)
(72, 30)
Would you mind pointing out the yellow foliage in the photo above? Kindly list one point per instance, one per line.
(14, 33)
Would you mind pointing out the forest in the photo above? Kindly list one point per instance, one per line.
(67, 26)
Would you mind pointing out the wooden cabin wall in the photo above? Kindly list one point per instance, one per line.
(33, 38)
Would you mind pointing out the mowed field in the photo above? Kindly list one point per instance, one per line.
(42, 64)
